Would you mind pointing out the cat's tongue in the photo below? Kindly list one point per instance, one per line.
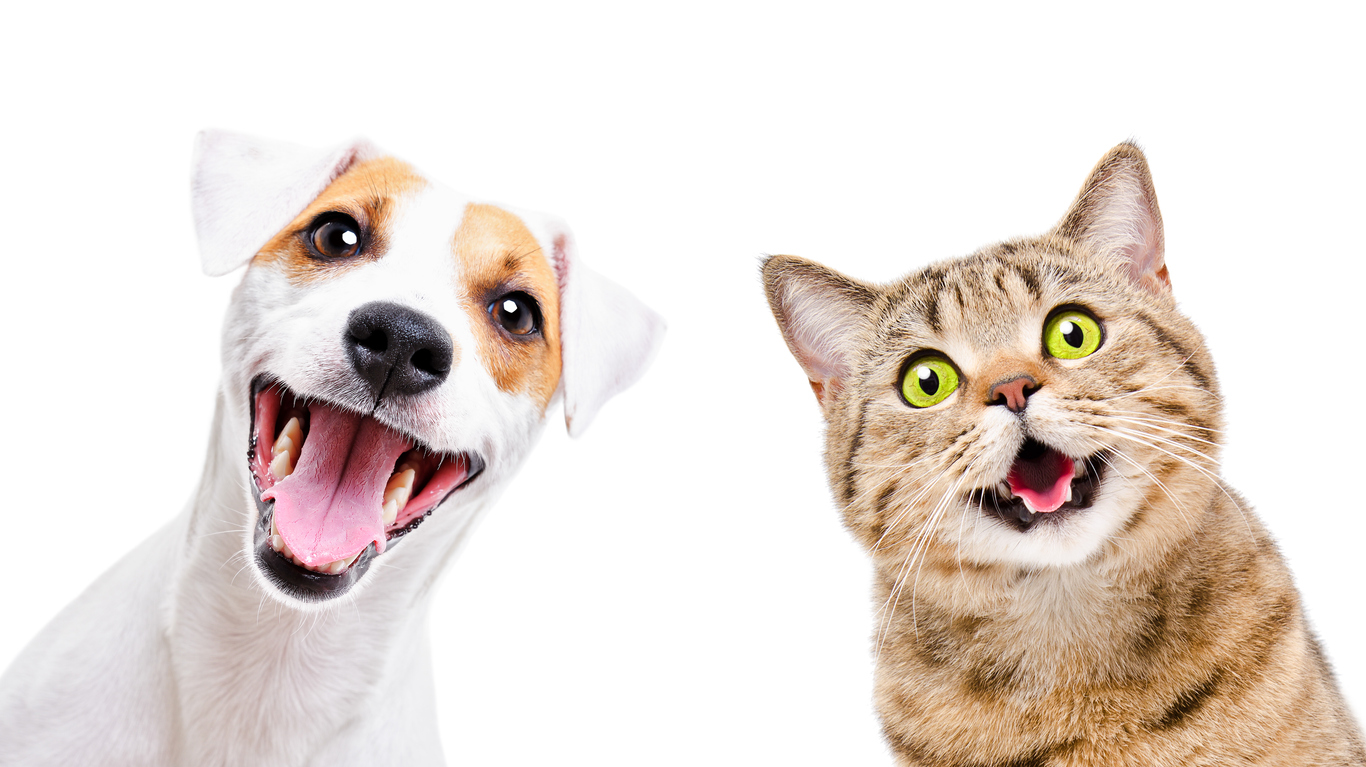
(331, 507)
(1042, 480)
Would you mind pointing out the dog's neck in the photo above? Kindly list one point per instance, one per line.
(260, 682)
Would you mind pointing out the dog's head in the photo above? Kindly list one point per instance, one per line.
(392, 350)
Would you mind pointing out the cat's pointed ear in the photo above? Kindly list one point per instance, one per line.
(1116, 215)
(822, 315)
(243, 190)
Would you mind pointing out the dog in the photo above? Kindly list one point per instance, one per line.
(389, 359)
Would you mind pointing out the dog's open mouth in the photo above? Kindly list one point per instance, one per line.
(1043, 485)
(335, 488)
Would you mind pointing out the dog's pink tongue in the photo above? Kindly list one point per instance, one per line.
(330, 508)
(1042, 481)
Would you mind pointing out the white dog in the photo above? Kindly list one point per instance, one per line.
(388, 361)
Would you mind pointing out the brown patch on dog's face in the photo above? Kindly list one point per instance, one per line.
(497, 255)
(367, 193)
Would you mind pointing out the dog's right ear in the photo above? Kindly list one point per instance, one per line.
(244, 190)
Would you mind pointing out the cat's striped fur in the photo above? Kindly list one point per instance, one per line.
(1153, 624)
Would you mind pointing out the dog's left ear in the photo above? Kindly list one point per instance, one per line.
(244, 190)
(607, 336)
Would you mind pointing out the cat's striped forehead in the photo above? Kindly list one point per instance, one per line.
(983, 301)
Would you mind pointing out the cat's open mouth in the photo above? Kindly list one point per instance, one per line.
(334, 488)
(1043, 485)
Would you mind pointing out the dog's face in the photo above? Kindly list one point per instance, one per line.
(392, 350)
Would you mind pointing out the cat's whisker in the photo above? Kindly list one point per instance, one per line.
(1158, 419)
(958, 549)
(1177, 432)
(897, 466)
(1156, 388)
(1218, 481)
(1180, 507)
(919, 544)
(903, 480)
(1214, 463)
(888, 608)
(940, 509)
(909, 505)
(1154, 385)
(925, 491)
(915, 554)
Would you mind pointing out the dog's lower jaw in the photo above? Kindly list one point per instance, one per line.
(262, 680)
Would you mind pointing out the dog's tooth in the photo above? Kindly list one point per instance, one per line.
(282, 466)
(289, 443)
(335, 566)
(1068, 499)
(402, 477)
(276, 542)
(282, 445)
(398, 496)
(294, 430)
(400, 488)
(390, 512)
(284, 549)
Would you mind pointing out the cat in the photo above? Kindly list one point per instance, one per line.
(1026, 442)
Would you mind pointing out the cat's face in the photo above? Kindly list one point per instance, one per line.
(1038, 403)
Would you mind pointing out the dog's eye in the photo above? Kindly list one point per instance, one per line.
(517, 313)
(335, 235)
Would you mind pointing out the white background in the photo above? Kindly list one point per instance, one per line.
(675, 587)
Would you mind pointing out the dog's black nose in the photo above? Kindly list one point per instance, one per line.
(397, 350)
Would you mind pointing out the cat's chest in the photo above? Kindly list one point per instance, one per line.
(1050, 629)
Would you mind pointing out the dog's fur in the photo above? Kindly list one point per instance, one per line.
(189, 651)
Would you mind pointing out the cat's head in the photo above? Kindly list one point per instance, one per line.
(1039, 403)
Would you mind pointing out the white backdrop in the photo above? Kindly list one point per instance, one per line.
(675, 588)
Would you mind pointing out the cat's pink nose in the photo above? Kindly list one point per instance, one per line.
(1013, 392)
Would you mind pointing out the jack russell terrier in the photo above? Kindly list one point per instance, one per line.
(388, 362)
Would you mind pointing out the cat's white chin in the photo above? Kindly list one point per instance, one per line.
(1054, 543)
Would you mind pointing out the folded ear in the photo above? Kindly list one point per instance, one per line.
(607, 336)
(1116, 215)
(821, 314)
(244, 190)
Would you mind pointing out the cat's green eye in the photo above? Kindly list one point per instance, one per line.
(1071, 335)
(928, 381)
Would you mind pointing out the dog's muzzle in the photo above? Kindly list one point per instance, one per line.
(334, 489)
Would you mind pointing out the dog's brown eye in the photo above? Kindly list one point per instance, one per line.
(517, 313)
(335, 235)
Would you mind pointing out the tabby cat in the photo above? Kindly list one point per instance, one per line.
(1026, 441)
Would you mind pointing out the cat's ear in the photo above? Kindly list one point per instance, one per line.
(822, 314)
(1116, 215)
